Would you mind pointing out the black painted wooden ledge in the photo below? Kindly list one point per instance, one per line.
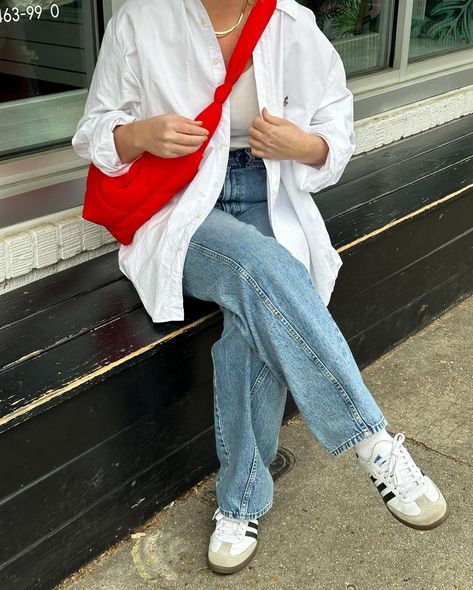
(106, 417)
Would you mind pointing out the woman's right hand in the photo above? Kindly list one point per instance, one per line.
(168, 136)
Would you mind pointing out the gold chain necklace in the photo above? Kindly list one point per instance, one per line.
(223, 33)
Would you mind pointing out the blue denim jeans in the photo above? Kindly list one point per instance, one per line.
(277, 335)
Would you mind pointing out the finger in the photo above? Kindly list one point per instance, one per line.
(187, 120)
(196, 125)
(256, 145)
(195, 130)
(260, 124)
(181, 150)
(257, 152)
(256, 133)
(273, 119)
(185, 139)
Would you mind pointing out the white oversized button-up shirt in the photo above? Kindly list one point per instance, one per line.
(162, 56)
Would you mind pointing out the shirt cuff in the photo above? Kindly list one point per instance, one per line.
(98, 145)
(311, 178)
(106, 156)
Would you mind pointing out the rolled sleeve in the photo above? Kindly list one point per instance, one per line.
(113, 99)
(333, 120)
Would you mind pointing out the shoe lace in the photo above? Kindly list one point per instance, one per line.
(402, 470)
(229, 529)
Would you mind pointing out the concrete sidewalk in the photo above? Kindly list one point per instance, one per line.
(328, 528)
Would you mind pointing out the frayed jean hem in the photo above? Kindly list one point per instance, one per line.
(248, 515)
(351, 442)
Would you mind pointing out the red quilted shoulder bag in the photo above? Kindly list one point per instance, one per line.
(123, 203)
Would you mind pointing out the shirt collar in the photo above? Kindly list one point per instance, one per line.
(289, 6)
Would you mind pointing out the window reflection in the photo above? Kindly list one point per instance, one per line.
(440, 26)
(47, 53)
(359, 29)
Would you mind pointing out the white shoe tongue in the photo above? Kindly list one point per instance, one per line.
(381, 451)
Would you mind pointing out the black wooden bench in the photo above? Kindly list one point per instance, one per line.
(106, 417)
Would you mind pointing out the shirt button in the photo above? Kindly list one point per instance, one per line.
(222, 146)
(203, 21)
(199, 215)
(215, 61)
(215, 184)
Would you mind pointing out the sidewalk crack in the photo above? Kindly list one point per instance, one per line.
(447, 456)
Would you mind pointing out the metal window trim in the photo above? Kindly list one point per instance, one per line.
(373, 100)
(458, 67)
(462, 59)
(28, 173)
(403, 36)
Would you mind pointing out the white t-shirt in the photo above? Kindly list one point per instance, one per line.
(243, 108)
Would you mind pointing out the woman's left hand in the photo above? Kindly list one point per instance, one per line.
(279, 139)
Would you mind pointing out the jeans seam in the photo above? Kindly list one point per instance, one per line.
(289, 328)
(219, 427)
(259, 379)
(236, 185)
(250, 482)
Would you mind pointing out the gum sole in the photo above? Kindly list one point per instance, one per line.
(222, 569)
(424, 527)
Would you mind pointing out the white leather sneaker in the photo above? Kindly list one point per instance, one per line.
(409, 494)
(232, 544)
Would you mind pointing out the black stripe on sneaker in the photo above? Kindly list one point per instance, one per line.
(381, 486)
(253, 524)
(388, 496)
(251, 534)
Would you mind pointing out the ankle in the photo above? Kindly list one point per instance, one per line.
(364, 448)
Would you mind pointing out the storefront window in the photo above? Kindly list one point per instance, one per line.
(440, 26)
(47, 56)
(359, 29)
(48, 50)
